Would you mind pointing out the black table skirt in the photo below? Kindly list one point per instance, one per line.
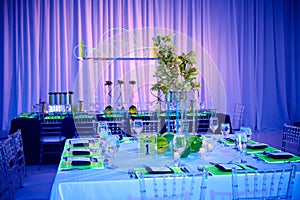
(30, 128)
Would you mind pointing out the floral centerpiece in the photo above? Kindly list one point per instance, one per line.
(175, 72)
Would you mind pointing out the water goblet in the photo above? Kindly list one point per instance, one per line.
(248, 132)
(102, 129)
(213, 124)
(137, 127)
(241, 144)
(225, 130)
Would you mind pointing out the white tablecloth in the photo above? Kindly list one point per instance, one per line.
(116, 183)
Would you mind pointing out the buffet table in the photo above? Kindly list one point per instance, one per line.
(104, 183)
(30, 127)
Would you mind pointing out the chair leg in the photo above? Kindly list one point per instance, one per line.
(41, 156)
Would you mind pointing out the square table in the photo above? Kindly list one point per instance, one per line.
(117, 184)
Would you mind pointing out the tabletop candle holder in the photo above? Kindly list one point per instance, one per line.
(60, 98)
(65, 97)
(50, 98)
(80, 106)
(70, 97)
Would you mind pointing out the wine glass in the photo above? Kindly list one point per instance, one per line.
(102, 129)
(213, 124)
(179, 145)
(225, 129)
(241, 144)
(248, 132)
(137, 126)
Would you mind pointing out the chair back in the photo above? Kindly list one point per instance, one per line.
(291, 139)
(263, 184)
(150, 126)
(85, 124)
(237, 116)
(117, 125)
(19, 154)
(174, 186)
(51, 125)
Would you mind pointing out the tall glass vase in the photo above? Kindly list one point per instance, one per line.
(179, 141)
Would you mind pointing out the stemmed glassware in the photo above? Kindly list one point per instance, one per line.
(213, 124)
(137, 127)
(102, 130)
(225, 130)
(241, 144)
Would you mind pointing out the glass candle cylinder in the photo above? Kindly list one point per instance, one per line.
(50, 98)
(70, 97)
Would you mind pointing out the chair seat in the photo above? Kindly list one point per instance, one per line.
(53, 139)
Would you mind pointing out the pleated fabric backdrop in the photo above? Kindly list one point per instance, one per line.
(247, 51)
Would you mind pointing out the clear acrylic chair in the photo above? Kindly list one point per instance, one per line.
(19, 158)
(52, 141)
(173, 186)
(10, 165)
(150, 126)
(6, 190)
(291, 139)
(263, 184)
(117, 125)
(85, 124)
(237, 117)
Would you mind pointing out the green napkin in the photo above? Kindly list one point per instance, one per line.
(260, 150)
(94, 144)
(277, 160)
(94, 152)
(213, 170)
(66, 165)
(137, 171)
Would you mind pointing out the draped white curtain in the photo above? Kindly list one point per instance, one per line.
(247, 51)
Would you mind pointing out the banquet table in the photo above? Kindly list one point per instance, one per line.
(117, 184)
(30, 126)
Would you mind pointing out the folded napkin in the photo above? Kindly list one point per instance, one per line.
(81, 145)
(76, 152)
(227, 167)
(279, 155)
(159, 170)
(80, 162)
(257, 146)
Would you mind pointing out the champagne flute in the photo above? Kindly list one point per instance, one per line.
(179, 145)
(241, 144)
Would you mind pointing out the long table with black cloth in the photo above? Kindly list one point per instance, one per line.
(30, 127)
(100, 182)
